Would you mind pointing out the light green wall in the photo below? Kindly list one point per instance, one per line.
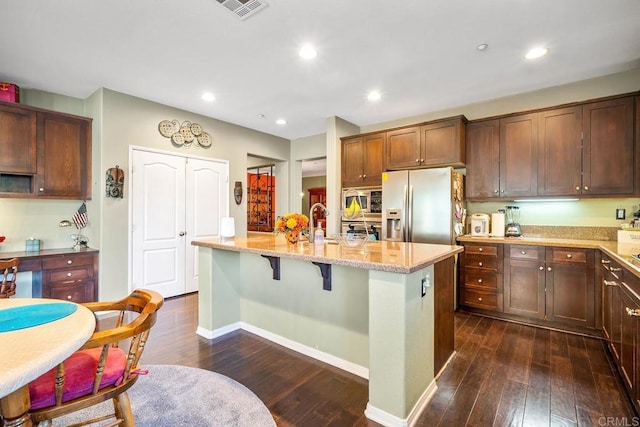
(307, 148)
(311, 182)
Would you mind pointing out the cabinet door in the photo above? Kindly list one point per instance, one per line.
(64, 156)
(608, 147)
(519, 155)
(351, 162)
(483, 159)
(560, 152)
(443, 143)
(372, 159)
(629, 309)
(403, 148)
(17, 140)
(524, 281)
(570, 291)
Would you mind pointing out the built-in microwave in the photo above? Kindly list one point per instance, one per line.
(361, 201)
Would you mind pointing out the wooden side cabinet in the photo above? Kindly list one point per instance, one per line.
(71, 277)
(362, 160)
(44, 154)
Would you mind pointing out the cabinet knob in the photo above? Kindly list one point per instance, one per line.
(541, 268)
(480, 264)
(578, 188)
(68, 274)
(523, 252)
(548, 268)
(502, 191)
(359, 176)
(586, 188)
(479, 249)
(417, 160)
(495, 191)
(69, 262)
(569, 256)
(182, 233)
(421, 160)
(633, 312)
(41, 189)
(479, 280)
(364, 176)
(69, 297)
(480, 299)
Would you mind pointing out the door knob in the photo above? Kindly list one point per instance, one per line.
(182, 233)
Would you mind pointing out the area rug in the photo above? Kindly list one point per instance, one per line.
(172, 395)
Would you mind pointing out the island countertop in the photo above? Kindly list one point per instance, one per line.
(394, 257)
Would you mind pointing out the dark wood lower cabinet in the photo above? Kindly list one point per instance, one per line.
(524, 281)
(444, 306)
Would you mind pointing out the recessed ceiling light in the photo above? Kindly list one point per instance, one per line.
(536, 53)
(374, 95)
(482, 46)
(208, 96)
(281, 122)
(307, 52)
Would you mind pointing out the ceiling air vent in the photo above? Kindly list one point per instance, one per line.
(243, 8)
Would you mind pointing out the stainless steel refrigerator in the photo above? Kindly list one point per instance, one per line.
(422, 206)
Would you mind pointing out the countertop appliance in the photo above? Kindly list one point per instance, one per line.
(372, 228)
(422, 206)
(480, 225)
(513, 227)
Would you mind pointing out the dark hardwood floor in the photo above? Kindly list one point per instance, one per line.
(503, 374)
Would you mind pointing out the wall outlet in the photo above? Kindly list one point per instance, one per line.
(620, 213)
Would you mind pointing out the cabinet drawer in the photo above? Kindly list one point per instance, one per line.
(68, 275)
(481, 280)
(479, 299)
(481, 250)
(66, 261)
(523, 252)
(481, 261)
(569, 255)
(75, 292)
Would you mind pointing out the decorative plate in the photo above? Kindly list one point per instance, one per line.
(177, 138)
(205, 140)
(185, 130)
(196, 129)
(168, 127)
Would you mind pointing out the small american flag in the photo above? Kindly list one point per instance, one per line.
(80, 218)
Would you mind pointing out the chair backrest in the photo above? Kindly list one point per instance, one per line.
(136, 314)
(9, 272)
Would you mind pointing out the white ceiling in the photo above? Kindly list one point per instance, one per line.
(421, 54)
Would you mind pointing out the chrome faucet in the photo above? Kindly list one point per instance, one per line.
(312, 229)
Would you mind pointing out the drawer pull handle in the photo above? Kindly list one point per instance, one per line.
(610, 283)
(633, 312)
(569, 256)
(605, 261)
(615, 269)
(479, 280)
(480, 264)
(68, 274)
(480, 299)
(479, 249)
(523, 252)
(69, 262)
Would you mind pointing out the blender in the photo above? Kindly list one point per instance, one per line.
(512, 215)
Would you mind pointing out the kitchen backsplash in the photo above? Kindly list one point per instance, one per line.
(571, 232)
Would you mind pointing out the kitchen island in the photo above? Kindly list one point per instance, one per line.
(370, 311)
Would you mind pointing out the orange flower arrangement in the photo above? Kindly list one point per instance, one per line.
(291, 222)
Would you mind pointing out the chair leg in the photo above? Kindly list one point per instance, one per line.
(122, 406)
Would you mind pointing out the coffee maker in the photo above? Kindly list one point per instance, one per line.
(512, 228)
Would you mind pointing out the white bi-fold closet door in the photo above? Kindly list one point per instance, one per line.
(175, 199)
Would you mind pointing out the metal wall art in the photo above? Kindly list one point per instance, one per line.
(115, 182)
(185, 134)
(237, 192)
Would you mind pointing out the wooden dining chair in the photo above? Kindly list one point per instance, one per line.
(100, 370)
(9, 271)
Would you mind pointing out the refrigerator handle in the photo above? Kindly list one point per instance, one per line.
(405, 194)
(410, 216)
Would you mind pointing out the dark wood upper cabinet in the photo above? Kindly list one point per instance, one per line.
(64, 157)
(402, 148)
(519, 155)
(483, 159)
(17, 140)
(44, 154)
(608, 161)
(560, 152)
(362, 160)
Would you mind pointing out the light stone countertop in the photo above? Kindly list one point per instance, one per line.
(621, 252)
(393, 257)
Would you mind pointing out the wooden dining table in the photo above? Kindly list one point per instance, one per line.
(40, 343)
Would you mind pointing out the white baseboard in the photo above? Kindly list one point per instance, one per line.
(330, 359)
(389, 420)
